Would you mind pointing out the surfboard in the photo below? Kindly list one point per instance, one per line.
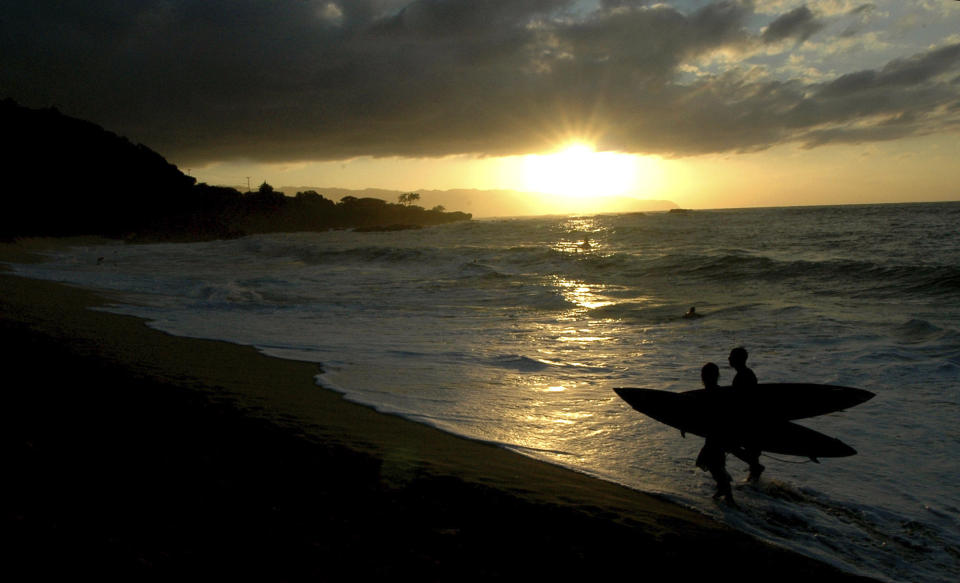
(713, 413)
(787, 401)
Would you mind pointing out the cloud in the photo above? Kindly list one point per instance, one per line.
(208, 80)
(860, 15)
(905, 74)
(799, 24)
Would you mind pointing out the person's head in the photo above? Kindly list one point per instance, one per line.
(710, 374)
(693, 309)
(738, 357)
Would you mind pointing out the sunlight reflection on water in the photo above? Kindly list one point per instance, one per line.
(514, 333)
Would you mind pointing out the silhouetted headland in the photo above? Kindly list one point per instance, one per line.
(72, 177)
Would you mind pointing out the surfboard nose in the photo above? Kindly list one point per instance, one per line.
(858, 396)
(843, 450)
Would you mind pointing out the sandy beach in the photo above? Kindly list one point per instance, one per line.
(133, 453)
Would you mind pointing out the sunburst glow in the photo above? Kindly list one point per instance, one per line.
(578, 171)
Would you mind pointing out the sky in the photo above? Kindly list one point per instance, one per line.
(709, 104)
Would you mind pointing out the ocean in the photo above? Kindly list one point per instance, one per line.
(514, 332)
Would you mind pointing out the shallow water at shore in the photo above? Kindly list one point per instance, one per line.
(512, 332)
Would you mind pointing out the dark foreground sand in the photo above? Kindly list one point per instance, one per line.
(129, 453)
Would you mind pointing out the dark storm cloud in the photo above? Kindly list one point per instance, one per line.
(799, 24)
(909, 72)
(202, 80)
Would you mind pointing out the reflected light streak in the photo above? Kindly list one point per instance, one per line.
(584, 236)
(585, 339)
(582, 294)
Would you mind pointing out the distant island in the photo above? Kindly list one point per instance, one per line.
(67, 177)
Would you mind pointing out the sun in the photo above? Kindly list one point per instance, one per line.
(577, 171)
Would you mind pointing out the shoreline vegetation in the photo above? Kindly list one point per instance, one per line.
(71, 177)
(135, 453)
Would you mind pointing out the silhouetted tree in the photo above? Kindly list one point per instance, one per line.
(409, 197)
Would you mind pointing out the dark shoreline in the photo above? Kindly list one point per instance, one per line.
(139, 454)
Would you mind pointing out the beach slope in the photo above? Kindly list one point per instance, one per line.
(133, 453)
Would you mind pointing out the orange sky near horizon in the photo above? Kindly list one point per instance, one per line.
(913, 170)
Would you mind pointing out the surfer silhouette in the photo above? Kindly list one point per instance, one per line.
(713, 457)
(692, 314)
(745, 379)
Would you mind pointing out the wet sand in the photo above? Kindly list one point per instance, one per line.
(133, 453)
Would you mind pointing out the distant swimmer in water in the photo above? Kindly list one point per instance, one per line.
(712, 457)
(692, 314)
(745, 379)
(586, 243)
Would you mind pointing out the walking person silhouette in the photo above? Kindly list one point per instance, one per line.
(713, 455)
(745, 379)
